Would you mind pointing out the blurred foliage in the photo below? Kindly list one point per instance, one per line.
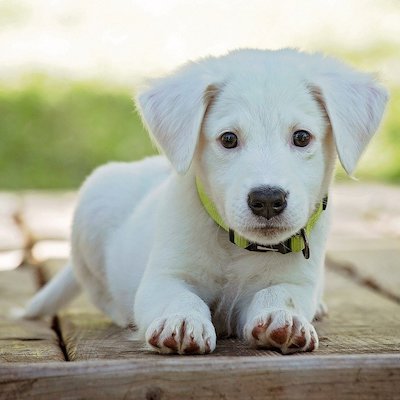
(53, 133)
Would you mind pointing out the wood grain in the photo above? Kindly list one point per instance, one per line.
(202, 377)
(357, 214)
(11, 237)
(21, 340)
(365, 234)
(375, 263)
(360, 319)
(48, 216)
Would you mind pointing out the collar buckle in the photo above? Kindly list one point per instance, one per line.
(281, 248)
(306, 249)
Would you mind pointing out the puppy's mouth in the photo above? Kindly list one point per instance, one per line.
(267, 233)
(269, 229)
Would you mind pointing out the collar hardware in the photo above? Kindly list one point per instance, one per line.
(297, 243)
(324, 203)
(278, 248)
(306, 250)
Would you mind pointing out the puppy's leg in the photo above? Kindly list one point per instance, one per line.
(174, 319)
(279, 317)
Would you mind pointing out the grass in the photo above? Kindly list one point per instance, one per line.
(53, 133)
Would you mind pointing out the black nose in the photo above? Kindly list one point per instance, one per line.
(267, 201)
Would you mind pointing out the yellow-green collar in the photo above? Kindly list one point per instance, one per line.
(296, 243)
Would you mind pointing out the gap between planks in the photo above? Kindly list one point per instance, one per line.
(55, 326)
(39, 274)
(348, 269)
(23, 340)
(55, 323)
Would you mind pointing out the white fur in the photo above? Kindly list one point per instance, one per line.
(146, 250)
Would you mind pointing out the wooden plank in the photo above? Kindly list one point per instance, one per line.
(11, 259)
(364, 246)
(202, 377)
(44, 251)
(374, 263)
(357, 213)
(21, 340)
(94, 337)
(11, 236)
(360, 320)
(48, 215)
(365, 234)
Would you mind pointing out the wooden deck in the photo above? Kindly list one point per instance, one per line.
(81, 354)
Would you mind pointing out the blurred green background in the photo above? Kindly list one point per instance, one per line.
(53, 133)
(56, 127)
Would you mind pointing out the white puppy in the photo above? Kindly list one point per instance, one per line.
(170, 243)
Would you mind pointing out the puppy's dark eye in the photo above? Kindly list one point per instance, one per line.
(301, 138)
(229, 140)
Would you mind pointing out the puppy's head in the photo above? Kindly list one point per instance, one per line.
(261, 130)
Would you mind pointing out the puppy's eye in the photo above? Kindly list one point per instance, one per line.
(301, 138)
(229, 140)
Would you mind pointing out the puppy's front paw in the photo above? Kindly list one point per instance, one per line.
(182, 335)
(279, 329)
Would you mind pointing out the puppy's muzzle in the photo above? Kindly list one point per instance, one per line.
(267, 201)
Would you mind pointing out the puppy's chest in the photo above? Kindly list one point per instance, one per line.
(243, 270)
(238, 282)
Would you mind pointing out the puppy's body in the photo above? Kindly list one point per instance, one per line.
(113, 231)
(223, 274)
(148, 252)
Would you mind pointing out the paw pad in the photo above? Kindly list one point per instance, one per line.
(279, 329)
(182, 335)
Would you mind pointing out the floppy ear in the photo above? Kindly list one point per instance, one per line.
(173, 109)
(354, 103)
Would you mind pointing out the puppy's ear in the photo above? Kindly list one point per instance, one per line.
(354, 103)
(173, 109)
